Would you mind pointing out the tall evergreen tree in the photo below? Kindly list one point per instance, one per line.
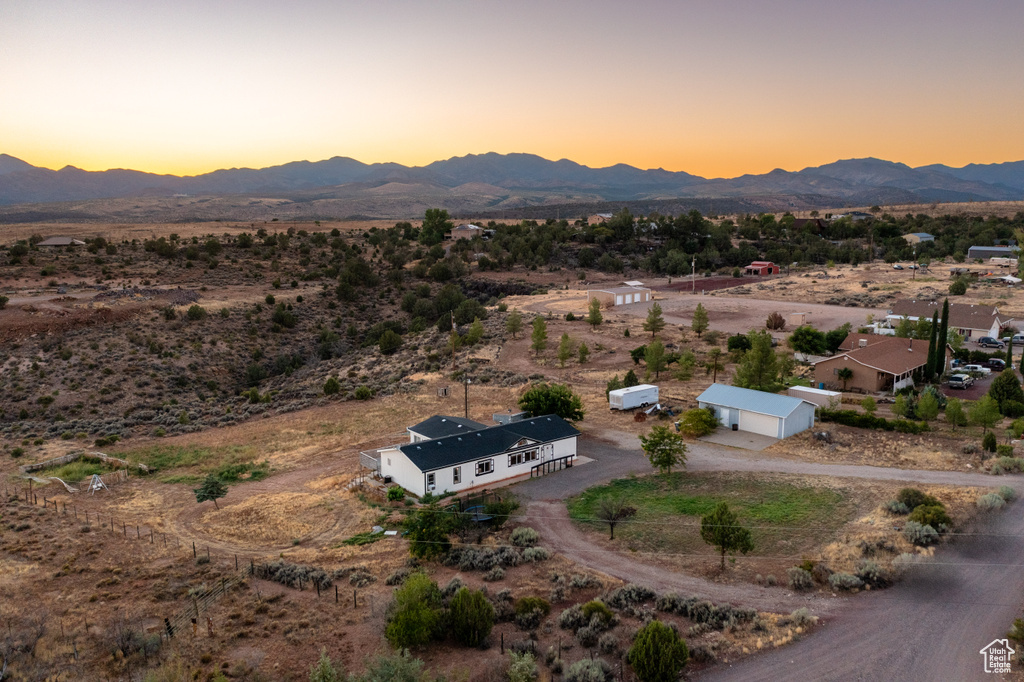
(929, 366)
(943, 339)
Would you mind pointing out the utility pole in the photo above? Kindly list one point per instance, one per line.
(913, 266)
(466, 387)
(693, 274)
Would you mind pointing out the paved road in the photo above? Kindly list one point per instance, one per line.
(929, 627)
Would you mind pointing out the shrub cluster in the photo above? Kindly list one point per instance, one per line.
(845, 581)
(864, 421)
(991, 502)
(919, 534)
(292, 575)
(629, 595)
(524, 537)
(473, 558)
(1008, 465)
(799, 579)
(701, 611)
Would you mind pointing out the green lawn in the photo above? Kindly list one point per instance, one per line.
(189, 464)
(784, 518)
(77, 471)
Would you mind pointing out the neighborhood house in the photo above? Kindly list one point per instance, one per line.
(965, 319)
(769, 414)
(449, 454)
(877, 364)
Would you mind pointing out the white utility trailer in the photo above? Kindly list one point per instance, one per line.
(633, 396)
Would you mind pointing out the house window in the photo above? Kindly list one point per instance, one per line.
(484, 467)
(457, 475)
(522, 457)
(430, 480)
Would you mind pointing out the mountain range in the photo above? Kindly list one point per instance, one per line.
(482, 183)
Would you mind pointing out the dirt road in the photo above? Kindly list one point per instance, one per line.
(929, 627)
(729, 314)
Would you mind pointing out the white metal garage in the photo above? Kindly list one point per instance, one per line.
(767, 414)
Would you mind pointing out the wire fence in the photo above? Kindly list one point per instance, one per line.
(189, 618)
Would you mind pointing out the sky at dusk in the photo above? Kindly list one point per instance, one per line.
(717, 88)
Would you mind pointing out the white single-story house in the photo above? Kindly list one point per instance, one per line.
(769, 414)
(474, 456)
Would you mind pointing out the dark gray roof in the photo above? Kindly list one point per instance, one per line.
(445, 452)
(440, 426)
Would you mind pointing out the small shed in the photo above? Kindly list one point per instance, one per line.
(613, 296)
(828, 399)
(762, 267)
(769, 414)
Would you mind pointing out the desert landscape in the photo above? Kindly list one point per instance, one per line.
(186, 412)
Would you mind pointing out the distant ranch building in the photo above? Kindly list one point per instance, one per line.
(983, 252)
(625, 295)
(762, 267)
(61, 241)
(918, 237)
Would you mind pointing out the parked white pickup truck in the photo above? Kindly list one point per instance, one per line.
(976, 368)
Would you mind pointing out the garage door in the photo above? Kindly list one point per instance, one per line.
(759, 423)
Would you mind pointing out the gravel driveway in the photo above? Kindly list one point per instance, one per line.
(929, 627)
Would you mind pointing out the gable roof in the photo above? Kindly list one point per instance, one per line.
(919, 235)
(961, 315)
(622, 290)
(452, 450)
(440, 426)
(892, 355)
(750, 400)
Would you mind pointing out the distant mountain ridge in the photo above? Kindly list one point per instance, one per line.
(505, 181)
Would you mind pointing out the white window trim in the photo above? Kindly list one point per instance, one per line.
(431, 479)
(523, 457)
(490, 467)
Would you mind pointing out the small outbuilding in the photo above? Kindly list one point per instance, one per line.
(830, 400)
(61, 241)
(762, 267)
(613, 296)
(769, 414)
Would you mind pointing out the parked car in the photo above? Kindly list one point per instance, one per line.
(977, 369)
(996, 364)
(1017, 339)
(897, 267)
(989, 342)
(960, 381)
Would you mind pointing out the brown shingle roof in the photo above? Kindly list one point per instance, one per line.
(852, 340)
(961, 315)
(891, 355)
